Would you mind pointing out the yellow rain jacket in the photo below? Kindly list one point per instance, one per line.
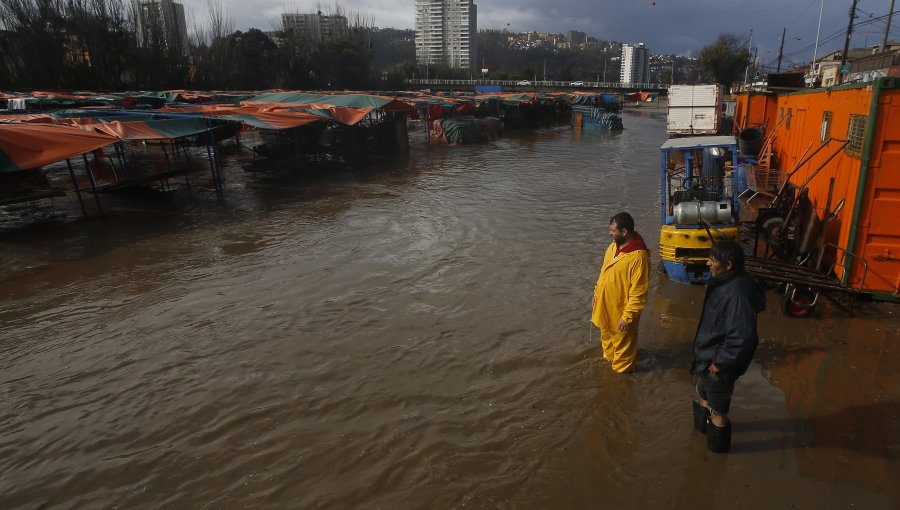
(621, 290)
(621, 293)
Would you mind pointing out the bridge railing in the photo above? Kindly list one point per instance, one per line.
(540, 83)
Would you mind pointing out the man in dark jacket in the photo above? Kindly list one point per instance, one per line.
(726, 340)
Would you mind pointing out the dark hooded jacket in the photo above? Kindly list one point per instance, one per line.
(726, 335)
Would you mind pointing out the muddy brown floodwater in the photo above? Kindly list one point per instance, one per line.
(411, 336)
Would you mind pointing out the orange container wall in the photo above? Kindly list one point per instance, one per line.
(802, 134)
(878, 228)
(879, 220)
(754, 110)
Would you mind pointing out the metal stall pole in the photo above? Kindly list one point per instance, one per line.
(120, 153)
(187, 172)
(112, 163)
(163, 181)
(77, 189)
(87, 168)
(213, 165)
(168, 163)
(216, 158)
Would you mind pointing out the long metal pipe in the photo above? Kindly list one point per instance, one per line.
(817, 170)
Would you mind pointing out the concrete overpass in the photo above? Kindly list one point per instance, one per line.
(538, 86)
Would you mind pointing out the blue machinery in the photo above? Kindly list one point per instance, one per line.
(700, 182)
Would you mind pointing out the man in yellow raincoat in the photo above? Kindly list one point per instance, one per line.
(621, 293)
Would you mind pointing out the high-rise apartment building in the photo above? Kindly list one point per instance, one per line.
(161, 21)
(445, 33)
(576, 37)
(635, 64)
(316, 27)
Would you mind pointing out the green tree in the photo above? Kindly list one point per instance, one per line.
(725, 60)
(342, 64)
(391, 46)
(256, 62)
(212, 51)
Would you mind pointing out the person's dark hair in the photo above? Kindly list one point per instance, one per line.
(623, 220)
(728, 251)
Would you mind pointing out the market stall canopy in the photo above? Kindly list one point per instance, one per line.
(165, 129)
(27, 146)
(272, 119)
(262, 118)
(371, 102)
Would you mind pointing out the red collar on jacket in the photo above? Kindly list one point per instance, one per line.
(636, 243)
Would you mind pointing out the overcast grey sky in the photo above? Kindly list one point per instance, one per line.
(665, 26)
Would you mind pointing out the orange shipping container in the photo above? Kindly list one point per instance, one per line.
(865, 173)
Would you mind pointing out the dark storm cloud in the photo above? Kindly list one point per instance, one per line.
(665, 26)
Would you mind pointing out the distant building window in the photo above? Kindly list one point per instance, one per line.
(856, 133)
(825, 134)
(787, 122)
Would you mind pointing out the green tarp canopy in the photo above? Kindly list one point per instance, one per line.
(169, 97)
(102, 116)
(348, 100)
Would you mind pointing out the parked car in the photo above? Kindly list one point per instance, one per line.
(577, 84)
(523, 82)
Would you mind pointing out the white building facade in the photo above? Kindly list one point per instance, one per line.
(635, 64)
(446, 33)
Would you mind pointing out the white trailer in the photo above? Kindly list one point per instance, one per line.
(694, 109)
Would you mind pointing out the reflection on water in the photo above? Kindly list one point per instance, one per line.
(413, 335)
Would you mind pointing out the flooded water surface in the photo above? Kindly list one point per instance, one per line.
(410, 336)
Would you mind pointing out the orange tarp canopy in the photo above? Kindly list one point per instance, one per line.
(28, 117)
(25, 146)
(265, 118)
(126, 130)
(344, 114)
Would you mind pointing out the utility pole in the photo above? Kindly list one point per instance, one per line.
(749, 45)
(781, 50)
(887, 27)
(672, 79)
(604, 70)
(755, 66)
(849, 32)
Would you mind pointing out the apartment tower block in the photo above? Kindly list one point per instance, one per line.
(635, 64)
(446, 33)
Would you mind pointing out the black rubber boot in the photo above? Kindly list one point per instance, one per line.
(700, 415)
(718, 439)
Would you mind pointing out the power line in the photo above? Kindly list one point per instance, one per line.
(840, 33)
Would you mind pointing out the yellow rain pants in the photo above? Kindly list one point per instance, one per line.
(621, 293)
(620, 347)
